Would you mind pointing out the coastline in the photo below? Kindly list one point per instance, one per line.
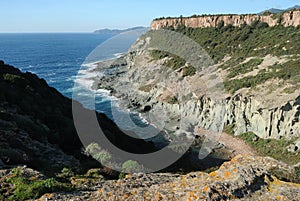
(89, 78)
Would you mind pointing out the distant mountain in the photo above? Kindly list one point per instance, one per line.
(275, 10)
(117, 31)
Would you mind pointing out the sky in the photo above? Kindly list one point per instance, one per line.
(20, 16)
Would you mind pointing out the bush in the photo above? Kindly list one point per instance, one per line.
(272, 147)
(103, 157)
(24, 189)
(174, 62)
(131, 166)
(189, 71)
(66, 173)
(172, 100)
(97, 153)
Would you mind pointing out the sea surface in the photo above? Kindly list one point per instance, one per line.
(55, 57)
(58, 58)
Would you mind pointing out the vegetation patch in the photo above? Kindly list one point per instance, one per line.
(30, 188)
(288, 71)
(172, 100)
(256, 40)
(244, 67)
(189, 71)
(271, 147)
(175, 62)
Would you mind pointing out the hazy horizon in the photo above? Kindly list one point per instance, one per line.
(81, 16)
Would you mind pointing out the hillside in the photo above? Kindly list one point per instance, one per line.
(41, 157)
(243, 80)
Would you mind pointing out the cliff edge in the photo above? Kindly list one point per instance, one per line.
(289, 18)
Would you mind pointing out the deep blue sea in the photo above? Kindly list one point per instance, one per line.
(54, 57)
(58, 58)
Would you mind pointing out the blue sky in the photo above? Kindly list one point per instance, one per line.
(89, 15)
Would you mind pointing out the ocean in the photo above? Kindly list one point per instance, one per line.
(58, 58)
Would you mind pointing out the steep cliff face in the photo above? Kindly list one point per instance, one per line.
(290, 18)
(147, 83)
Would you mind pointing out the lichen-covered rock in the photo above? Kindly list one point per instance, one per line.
(243, 178)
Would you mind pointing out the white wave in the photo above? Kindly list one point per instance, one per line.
(118, 55)
(86, 83)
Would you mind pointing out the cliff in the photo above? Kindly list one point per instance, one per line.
(253, 87)
(289, 18)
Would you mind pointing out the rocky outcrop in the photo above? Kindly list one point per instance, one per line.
(243, 178)
(290, 18)
(247, 114)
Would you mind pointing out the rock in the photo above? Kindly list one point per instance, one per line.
(297, 144)
(289, 18)
(243, 178)
(292, 148)
(255, 139)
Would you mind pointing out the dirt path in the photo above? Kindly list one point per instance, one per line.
(237, 145)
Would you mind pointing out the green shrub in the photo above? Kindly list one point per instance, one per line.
(229, 129)
(174, 62)
(172, 100)
(92, 148)
(244, 67)
(189, 71)
(271, 147)
(66, 173)
(122, 175)
(97, 153)
(24, 189)
(131, 166)
(103, 157)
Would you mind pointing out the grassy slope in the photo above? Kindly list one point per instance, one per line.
(258, 41)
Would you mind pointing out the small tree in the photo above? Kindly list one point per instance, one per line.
(131, 166)
(97, 153)
(103, 157)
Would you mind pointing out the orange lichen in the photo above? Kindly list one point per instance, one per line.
(278, 197)
(48, 195)
(227, 175)
(206, 189)
(212, 174)
(234, 170)
(233, 160)
(192, 196)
